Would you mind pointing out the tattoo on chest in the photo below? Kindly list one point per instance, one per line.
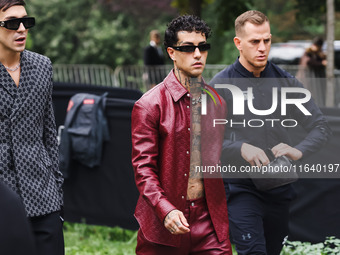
(195, 182)
(195, 134)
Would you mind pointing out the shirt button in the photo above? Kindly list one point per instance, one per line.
(188, 106)
(189, 129)
(182, 197)
(187, 152)
(188, 95)
(185, 175)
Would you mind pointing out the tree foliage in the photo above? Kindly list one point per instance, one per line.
(282, 17)
(221, 15)
(145, 13)
(114, 32)
(313, 8)
(193, 7)
(225, 13)
(84, 32)
(219, 12)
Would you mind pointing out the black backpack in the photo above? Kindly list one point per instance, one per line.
(85, 130)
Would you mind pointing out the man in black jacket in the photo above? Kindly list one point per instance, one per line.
(257, 120)
(153, 57)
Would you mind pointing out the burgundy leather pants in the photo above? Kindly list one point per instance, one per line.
(200, 240)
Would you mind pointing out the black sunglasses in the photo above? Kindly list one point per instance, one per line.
(192, 48)
(14, 24)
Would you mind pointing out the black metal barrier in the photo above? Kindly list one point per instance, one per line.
(105, 195)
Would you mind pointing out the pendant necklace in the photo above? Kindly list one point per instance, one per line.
(196, 100)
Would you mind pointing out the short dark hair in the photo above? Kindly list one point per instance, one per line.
(189, 23)
(318, 41)
(6, 4)
(253, 16)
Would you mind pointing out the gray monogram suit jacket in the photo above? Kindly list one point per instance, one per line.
(28, 139)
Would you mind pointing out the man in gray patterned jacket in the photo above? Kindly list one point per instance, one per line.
(28, 141)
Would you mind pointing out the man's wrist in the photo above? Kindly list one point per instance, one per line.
(163, 208)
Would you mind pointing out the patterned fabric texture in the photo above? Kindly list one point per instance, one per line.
(28, 139)
(160, 130)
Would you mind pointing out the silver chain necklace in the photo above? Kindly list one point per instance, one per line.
(12, 69)
(196, 100)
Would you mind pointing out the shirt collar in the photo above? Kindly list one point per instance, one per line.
(174, 86)
(244, 72)
(153, 44)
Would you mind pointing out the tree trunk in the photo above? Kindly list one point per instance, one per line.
(330, 89)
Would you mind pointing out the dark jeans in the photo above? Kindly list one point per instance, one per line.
(258, 221)
(48, 234)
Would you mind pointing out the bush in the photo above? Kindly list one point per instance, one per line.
(331, 246)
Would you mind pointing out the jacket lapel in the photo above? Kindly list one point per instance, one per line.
(7, 92)
(6, 81)
(26, 83)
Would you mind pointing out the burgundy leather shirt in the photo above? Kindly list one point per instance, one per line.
(161, 159)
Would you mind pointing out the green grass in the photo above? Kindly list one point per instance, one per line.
(83, 239)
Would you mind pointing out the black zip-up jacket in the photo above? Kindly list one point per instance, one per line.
(270, 129)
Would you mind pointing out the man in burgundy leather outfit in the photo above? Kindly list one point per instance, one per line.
(179, 210)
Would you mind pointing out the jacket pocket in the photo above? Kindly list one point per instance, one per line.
(80, 145)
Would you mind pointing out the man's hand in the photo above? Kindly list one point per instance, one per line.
(176, 223)
(254, 155)
(286, 150)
